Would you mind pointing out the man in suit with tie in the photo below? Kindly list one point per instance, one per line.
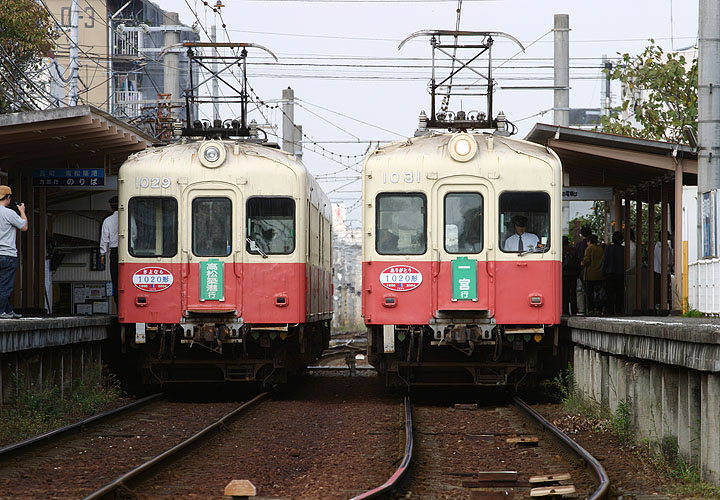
(520, 241)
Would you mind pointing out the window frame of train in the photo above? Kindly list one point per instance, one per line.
(462, 218)
(226, 215)
(521, 203)
(381, 226)
(169, 227)
(253, 213)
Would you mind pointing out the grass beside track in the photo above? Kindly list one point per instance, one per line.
(36, 409)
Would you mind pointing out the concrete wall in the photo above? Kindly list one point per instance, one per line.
(668, 372)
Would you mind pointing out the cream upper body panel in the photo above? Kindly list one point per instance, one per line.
(425, 165)
(247, 170)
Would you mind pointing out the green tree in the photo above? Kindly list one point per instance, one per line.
(25, 36)
(661, 97)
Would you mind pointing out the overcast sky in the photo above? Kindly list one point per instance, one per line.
(352, 83)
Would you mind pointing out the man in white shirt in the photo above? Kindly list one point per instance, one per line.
(109, 243)
(520, 241)
(657, 268)
(9, 223)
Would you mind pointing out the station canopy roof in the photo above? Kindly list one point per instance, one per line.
(81, 136)
(594, 158)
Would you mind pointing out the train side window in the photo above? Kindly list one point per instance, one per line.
(212, 226)
(463, 223)
(270, 226)
(524, 222)
(400, 220)
(152, 226)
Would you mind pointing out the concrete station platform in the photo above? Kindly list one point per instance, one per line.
(50, 349)
(665, 369)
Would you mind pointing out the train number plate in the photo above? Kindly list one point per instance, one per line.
(152, 279)
(401, 278)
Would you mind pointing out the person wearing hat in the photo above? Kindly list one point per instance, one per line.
(10, 221)
(520, 241)
(109, 242)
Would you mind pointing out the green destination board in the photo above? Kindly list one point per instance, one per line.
(212, 286)
(464, 279)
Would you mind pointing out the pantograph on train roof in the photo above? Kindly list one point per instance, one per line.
(483, 85)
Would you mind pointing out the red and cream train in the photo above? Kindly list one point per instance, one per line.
(449, 294)
(224, 262)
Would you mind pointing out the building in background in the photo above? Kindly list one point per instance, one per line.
(121, 68)
(347, 278)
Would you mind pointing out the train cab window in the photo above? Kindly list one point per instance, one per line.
(270, 226)
(401, 224)
(463, 223)
(524, 222)
(212, 226)
(152, 226)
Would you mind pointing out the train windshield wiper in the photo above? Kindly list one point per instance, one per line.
(541, 249)
(254, 246)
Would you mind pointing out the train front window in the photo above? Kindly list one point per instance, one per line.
(463, 223)
(524, 222)
(270, 226)
(400, 224)
(211, 226)
(152, 226)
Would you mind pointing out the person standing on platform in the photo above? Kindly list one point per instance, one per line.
(580, 247)
(657, 268)
(592, 262)
(9, 222)
(570, 274)
(109, 242)
(613, 269)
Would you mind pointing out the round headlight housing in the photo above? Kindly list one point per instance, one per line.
(463, 147)
(212, 154)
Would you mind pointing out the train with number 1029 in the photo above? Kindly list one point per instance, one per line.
(224, 258)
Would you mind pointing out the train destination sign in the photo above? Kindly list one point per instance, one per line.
(587, 193)
(152, 279)
(401, 278)
(69, 177)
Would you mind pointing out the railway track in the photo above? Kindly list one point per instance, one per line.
(76, 460)
(494, 453)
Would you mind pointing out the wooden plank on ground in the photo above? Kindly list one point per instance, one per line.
(550, 478)
(552, 491)
(523, 441)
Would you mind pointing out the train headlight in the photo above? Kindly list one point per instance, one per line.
(212, 154)
(463, 147)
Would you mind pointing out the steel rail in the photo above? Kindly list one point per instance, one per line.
(583, 455)
(15, 449)
(108, 491)
(397, 477)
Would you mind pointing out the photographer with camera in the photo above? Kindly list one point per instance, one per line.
(9, 222)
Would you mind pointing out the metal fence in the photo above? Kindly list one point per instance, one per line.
(704, 286)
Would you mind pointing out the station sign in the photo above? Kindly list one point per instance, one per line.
(587, 193)
(401, 278)
(69, 177)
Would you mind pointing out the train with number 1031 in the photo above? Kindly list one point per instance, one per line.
(224, 260)
(462, 259)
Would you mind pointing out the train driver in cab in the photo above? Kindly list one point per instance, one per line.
(521, 241)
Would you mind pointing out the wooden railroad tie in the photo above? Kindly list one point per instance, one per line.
(552, 491)
(523, 441)
(240, 489)
(492, 479)
(466, 406)
(550, 479)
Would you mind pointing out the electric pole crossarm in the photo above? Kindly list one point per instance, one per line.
(229, 45)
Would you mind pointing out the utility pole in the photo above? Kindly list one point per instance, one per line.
(561, 108)
(74, 55)
(708, 123)
(607, 98)
(171, 61)
(288, 110)
(561, 105)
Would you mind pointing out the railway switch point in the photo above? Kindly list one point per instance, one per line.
(240, 489)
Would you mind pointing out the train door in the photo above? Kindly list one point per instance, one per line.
(212, 250)
(462, 247)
